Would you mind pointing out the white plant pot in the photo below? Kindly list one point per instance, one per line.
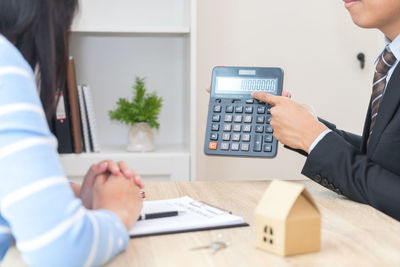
(140, 138)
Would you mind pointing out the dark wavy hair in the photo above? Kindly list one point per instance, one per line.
(40, 30)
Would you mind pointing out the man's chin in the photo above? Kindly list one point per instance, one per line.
(362, 23)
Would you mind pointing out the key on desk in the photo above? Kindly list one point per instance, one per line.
(214, 247)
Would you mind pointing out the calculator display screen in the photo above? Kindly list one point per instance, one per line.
(229, 85)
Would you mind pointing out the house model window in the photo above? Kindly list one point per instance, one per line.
(268, 235)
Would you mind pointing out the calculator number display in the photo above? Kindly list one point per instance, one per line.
(229, 85)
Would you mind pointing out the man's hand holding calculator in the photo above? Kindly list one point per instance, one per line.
(295, 125)
(237, 124)
(249, 112)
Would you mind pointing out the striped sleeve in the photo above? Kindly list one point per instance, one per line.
(6, 238)
(37, 205)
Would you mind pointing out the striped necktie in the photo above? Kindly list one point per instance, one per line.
(385, 62)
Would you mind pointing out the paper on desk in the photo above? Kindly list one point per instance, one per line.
(195, 215)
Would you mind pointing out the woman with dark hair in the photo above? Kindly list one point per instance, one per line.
(54, 223)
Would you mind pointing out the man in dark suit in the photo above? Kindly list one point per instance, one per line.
(364, 168)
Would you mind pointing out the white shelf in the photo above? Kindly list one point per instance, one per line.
(135, 30)
(168, 162)
(112, 42)
(133, 16)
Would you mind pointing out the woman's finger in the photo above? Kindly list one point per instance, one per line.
(113, 167)
(139, 182)
(96, 169)
(126, 171)
(130, 173)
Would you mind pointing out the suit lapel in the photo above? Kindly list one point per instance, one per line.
(388, 107)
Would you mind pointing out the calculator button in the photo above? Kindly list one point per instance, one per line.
(248, 119)
(235, 147)
(237, 127)
(246, 128)
(228, 118)
(269, 129)
(213, 145)
(239, 109)
(268, 138)
(257, 143)
(217, 100)
(269, 118)
(238, 118)
(261, 110)
(236, 100)
(224, 146)
(267, 148)
(248, 110)
(260, 119)
(217, 109)
(250, 101)
(259, 128)
(246, 138)
(229, 109)
(216, 118)
(236, 137)
(268, 110)
(215, 127)
(214, 136)
(226, 137)
(227, 127)
(245, 147)
(260, 102)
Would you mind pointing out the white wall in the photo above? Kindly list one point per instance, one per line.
(316, 44)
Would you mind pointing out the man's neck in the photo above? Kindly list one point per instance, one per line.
(391, 31)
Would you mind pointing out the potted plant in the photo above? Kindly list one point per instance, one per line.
(141, 114)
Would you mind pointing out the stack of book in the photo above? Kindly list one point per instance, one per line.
(74, 124)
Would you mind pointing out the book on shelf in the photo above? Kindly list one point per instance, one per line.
(60, 124)
(91, 118)
(74, 124)
(84, 120)
(73, 102)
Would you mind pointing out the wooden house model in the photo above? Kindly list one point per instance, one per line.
(287, 220)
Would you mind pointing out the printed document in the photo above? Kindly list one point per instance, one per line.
(193, 216)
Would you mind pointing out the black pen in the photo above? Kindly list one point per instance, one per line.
(158, 215)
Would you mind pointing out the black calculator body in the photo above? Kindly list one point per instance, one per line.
(237, 124)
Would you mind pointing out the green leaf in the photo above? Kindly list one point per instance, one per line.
(144, 107)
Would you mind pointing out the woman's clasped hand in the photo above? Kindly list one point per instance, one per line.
(112, 186)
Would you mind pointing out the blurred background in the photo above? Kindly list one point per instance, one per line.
(315, 42)
(175, 44)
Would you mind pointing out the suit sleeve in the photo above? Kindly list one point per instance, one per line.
(340, 166)
(353, 139)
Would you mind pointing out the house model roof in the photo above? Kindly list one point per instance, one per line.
(279, 199)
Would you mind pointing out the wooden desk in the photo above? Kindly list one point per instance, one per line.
(352, 234)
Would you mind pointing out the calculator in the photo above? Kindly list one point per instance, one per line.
(237, 124)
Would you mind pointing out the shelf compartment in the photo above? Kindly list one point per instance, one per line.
(172, 162)
(135, 30)
(132, 16)
(109, 66)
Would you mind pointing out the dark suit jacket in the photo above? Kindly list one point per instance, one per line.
(342, 162)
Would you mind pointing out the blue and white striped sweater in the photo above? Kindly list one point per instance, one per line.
(38, 209)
